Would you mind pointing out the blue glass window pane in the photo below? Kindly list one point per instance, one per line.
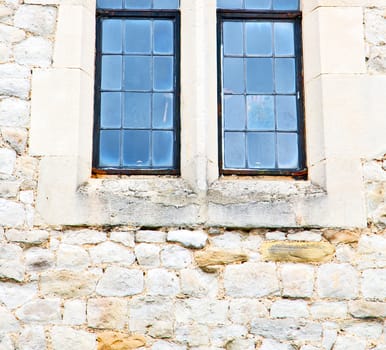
(285, 4)
(287, 145)
(137, 4)
(259, 75)
(163, 73)
(137, 110)
(284, 39)
(109, 4)
(163, 37)
(109, 150)
(111, 73)
(285, 75)
(233, 38)
(136, 148)
(163, 148)
(111, 103)
(230, 4)
(233, 75)
(286, 113)
(163, 110)
(111, 36)
(261, 150)
(261, 115)
(234, 150)
(138, 36)
(258, 4)
(234, 112)
(137, 73)
(166, 4)
(258, 38)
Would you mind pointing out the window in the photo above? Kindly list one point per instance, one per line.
(260, 87)
(137, 87)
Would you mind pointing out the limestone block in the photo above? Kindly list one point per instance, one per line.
(372, 248)
(16, 138)
(195, 283)
(9, 189)
(14, 295)
(68, 338)
(40, 310)
(119, 341)
(6, 343)
(189, 239)
(5, 11)
(15, 81)
(162, 282)
(8, 322)
(119, 281)
(34, 51)
(289, 308)
(242, 344)
(70, 257)
(297, 251)
(369, 330)
(193, 335)
(375, 27)
(68, 284)
(175, 257)
(147, 254)
(148, 236)
(345, 254)
(374, 284)
(11, 34)
(7, 161)
(11, 265)
(212, 259)
(74, 312)
(333, 280)
(5, 52)
(367, 309)
(275, 236)
(349, 342)
(297, 280)
(163, 345)
(83, 237)
(341, 236)
(109, 252)
(30, 237)
(377, 59)
(38, 259)
(39, 20)
(223, 335)
(228, 240)
(107, 313)
(242, 311)
(323, 310)
(307, 236)
(32, 338)
(125, 238)
(251, 280)
(269, 344)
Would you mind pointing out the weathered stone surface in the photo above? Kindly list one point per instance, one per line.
(175, 257)
(370, 330)
(72, 257)
(32, 338)
(119, 341)
(6, 343)
(189, 239)
(275, 236)
(147, 236)
(9, 189)
(8, 322)
(307, 236)
(5, 52)
(349, 342)
(83, 237)
(297, 280)
(269, 344)
(163, 345)
(345, 253)
(118, 281)
(242, 311)
(107, 313)
(7, 161)
(13, 295)
(212, 259)
(228, 240)
(289, 308)
(11, 265)
(241, 344)
(11, 34)
(109, 252)
(194, 335)
(15, 81)
(68, 284)
(14, 112)
(38, 259)
(325, 310)
(196, 283)
(372, 248)
(125, 238)
(40, 310)
(251, 280)
(38, 20)
(74, 312)
(374, 284)
(68, 338)
(162, 282)
(29, 237)
(367, 309)
(223, 335)
(148, 254)
(34, 51)
(341, 236)
(334, 279)
(297, 251)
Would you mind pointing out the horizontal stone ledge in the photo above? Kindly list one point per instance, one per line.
(297, 251)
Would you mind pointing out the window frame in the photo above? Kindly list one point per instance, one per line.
(240, 14)
(125, 14)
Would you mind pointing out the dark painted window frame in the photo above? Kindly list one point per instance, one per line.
(124, 14)
(296, 17)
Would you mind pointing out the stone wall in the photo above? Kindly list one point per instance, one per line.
(201, 288)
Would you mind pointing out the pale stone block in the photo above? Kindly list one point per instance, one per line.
(70, 257)
(147, 236)
(242, 311)
(11, 265)
(228, 240)
(375, 27)
(367, 309)
(16, 138)
(193, 335)
(14, 295)
(202, 311)
(269, 344)
(11, 34)
(68, 338)
(38, 259)
(40, 310)
(330, 333)
(242, 344)
(32, 338)
(26, 197)
(6, 343)
(147, 254)
(30, 237)
(372, 248)
(189, 239)
(163, 345)
(74, 312)
(107, 313)
(307, 236)
(195, 283)
(7, 161)
(223, 335)
(5, 11)
(5, 52)
(39, 20)
(34, 51)
(9, 189)
(109, 252)
(374, 284)
(322, 310)
(125, 238)
(275, 236)
(162, 282)
(297, 280)
(83, 237)
(175, 257)
(367, 330)
(14, 112)
(349, 342)
(8, 322)
(289, 308)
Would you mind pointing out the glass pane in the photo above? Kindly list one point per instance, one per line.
(260, 111)
(258, 4)
(163, 73)
(137, 111)
(284, 39)
(234, 150)
(138, 36)
(166, 4)
(233, 38)
(137, 73)
(163, 37)
(109, 4)
(258, 38)
(111, 103)
(111, 73)
(163, 148)
(234, 112)
(230, 4)
(136, 148)
(112, 36)
(286, 113)
(259, 75)
(109, 153)
(137, 4)
(261, 150)
(285, 4)
(285, 75)
(287, 148)
(233, 75)
(163, 111)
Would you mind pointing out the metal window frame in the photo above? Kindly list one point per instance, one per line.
(296, 17)
(124, 14)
